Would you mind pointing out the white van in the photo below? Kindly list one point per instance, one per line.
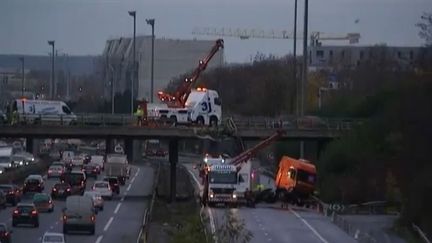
(43, 111)
(79, 214)
(6, 158)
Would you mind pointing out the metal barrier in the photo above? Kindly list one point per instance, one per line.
(233, 123)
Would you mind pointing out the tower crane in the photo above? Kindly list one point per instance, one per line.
(244, 34)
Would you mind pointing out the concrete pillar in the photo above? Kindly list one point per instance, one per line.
(321, 144)
(137, 150)
(173, 159)
(108, 145)
(30, 145)
(129, 149)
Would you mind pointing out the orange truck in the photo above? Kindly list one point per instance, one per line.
(295, 180)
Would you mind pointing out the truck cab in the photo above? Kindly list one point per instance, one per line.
(222, 184)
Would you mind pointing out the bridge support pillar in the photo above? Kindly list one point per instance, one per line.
(108, 145)
(321, 144)
(173, 159)
(129, 149)
(30, 145)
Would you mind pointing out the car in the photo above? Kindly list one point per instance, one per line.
(13, 193)
(103, 188)
(33, 183)
(91, 170)
(5, 233)
(43, 202)
(79, 214)
(2, 199)
(55, 171)
(50, 237)
(114, 183)
(25, 213)
(98, 201)
(60, 163)
(77, 179)
(98, 160)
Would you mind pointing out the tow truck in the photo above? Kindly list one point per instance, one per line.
(187, 105)
(226, 180)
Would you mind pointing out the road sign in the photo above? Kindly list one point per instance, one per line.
(337, 207)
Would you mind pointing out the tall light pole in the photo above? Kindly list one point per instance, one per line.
(22, 76)
(295, 58)
(133, 14)
(305, 68)
(152, 23)
(51, 87)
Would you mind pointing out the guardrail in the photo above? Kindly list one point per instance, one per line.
(103, 119)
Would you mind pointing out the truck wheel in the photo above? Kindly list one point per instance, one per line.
(213, 121)
(173, 120)
(200, 120)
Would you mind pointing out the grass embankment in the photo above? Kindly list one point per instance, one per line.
(177, 222)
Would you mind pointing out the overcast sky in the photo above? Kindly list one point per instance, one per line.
(82, 26)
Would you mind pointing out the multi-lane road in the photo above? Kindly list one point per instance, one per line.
(270, 223)
(119, 222)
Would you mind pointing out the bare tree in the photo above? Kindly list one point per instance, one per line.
(425, 26)
(233, 230)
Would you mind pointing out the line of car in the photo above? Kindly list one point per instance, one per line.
(81, 206)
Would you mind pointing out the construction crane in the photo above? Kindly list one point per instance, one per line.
(178, 99)
(244, 34)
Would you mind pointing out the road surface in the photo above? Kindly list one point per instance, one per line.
(119, 222)
(269, 223)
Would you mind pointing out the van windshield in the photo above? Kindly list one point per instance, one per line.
(66, 110)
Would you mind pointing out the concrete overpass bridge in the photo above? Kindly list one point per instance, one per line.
(126, 130)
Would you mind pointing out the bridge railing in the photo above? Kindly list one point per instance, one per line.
(103, 119)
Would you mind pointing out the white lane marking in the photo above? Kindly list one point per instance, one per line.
(117, 208)
(309, 226)
(99, 239)
(132, 181)
(129, 187)
(108, 224)
(51, 227)
(122, 199)
(57, 222)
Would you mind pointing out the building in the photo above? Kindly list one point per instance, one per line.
(338, 57)
(172, 58)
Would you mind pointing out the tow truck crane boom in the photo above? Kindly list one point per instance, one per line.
(246, 155)
(178, 99)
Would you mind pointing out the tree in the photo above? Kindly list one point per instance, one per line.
(233, 230)
(425, 26)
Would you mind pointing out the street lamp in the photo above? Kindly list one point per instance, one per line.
(22, 77)
(295, 58)
(152, 23)
(52, 44)
(305, 68)
(133, 14)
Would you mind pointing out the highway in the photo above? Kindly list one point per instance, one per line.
(270, 223)
(120, 221)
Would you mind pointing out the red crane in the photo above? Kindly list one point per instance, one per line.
(252, 151)
(178, 99)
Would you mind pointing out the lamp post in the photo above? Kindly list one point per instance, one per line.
(295, 58)
(305, 68)
(22, 76)
(152, 23)
(133, 14)
(51, 87)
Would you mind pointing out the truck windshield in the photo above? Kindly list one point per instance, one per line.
(4, 159)
(306, 177)
(223, 178)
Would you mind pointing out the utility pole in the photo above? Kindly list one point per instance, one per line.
(51, 89)
(133, 14)
(152, 23)
(295, 58)
(305, 69)
(22, 77)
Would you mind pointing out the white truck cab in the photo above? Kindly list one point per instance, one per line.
(203, 107)
(43, 111)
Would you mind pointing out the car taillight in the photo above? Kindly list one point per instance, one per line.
(68, 189)
(115, 184)
(94, 188)
(34, 212)
(54, 189)
(109, 188)
(11, 192)
(93, 218)
(49, 171)
(16, 212)
(50, 202)
(64, 218)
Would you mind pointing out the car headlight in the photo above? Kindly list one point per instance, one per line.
(32, 159)
(1, 171)
(205, 159)
(234, 196)
(211, 195)
(9, 165)
(20, 163)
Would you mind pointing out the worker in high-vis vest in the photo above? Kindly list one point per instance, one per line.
(139, 114)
